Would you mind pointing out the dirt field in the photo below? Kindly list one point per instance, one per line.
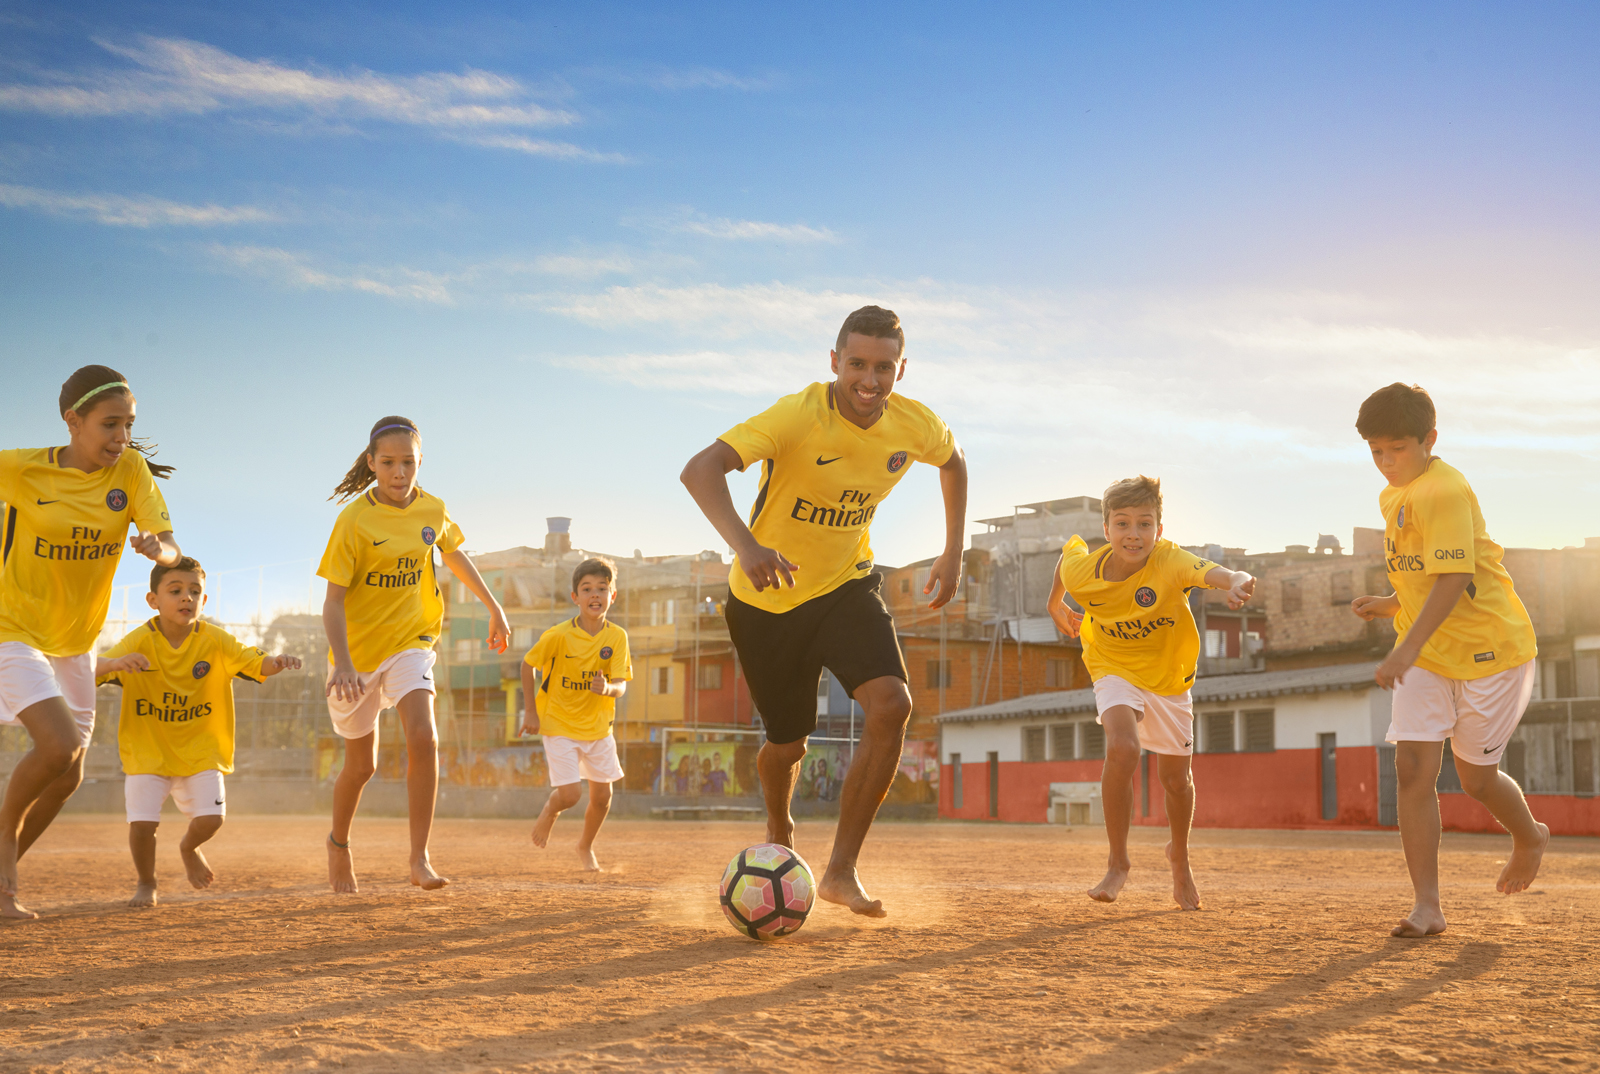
(992, 958)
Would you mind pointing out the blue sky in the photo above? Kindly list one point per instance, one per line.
(575, 244)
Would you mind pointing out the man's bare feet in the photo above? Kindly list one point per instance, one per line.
(144, 895)
(844, 887)
(199, 870)
(781, 832)
(1422, 921)
(1110, 885)
(1184, 893)
(12, 910)
(341, 868)
(542, 826)
(423, 876)
(1523, 865)
(587, 859)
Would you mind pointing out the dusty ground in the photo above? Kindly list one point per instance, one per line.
(992, 960)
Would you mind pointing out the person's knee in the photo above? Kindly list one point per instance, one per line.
(1177, 783)
(785, 754)
(59, 754)
(566, 796)
(599, 793)
(143, 829)
(1476, 779)
(1411, 768)
(1122, 754)
(888, 704)
(359, 766)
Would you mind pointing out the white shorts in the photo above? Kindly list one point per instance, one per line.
(28, 677)
(1166, 723)
(199, 795)
(1477, 715)
(405, 671)
(572, 759)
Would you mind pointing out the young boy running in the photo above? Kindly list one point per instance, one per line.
(175, 731)
(804, 594)
(1141, 647)
(583, 666)
(1462, 665)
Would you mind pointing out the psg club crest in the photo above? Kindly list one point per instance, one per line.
(1145, 596)
(427, 535)
(116, 499)
(201, 669)
(897, 460)
(605, 652)
(1400, 523)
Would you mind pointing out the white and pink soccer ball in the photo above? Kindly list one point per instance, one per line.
(767, 891)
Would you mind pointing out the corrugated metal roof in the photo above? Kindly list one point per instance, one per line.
(1214, 688)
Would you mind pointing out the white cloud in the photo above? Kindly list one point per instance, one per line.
(122, 211)
(295, 270)
(583, 268)
(539, 147)
(756, 230)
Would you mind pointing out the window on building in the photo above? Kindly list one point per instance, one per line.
(1343, 587)
(938, 673)
(465, 650)
(1290, 588)
(661, 681)
(1062, 742)
(522, 638)
(1216, 643)
(1219, 732)
(955, 780)
(1033, 743)
(1094, 740)
(905, 585)
(709, 677)
(1562, 678)
(1260, 732)
(672, 612)
(1057, 674)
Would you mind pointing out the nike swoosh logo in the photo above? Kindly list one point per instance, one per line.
(1488, 749)
(43, 503)
(1186, 745)
(219, 801)
(377, 543)
(823, 462)
(1096, 603)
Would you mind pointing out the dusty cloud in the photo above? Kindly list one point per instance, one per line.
(126, 211)
(295, 270)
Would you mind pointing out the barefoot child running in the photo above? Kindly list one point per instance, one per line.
(1462, 665)
(383, 615)
(175, 728)
(583, 666)
(1141, 648)
(67, 510)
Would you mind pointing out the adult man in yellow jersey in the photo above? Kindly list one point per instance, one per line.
(803, 592)
(1462, 665)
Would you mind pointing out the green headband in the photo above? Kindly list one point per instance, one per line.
(92, 392)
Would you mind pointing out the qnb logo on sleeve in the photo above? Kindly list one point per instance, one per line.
(1449, 553)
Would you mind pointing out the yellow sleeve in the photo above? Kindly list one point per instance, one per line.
(768, 434)
(339, 559)
(1445, 517)
(128, 644)
(539, 653)
(450, 536)
(621, 666)
(149, 506)
(242, 659)
(1188, 570)
(938, 443)
(10, 474)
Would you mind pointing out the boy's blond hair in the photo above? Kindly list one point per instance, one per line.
(1138, 491)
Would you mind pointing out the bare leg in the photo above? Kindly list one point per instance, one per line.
(360, 762)
(56, 748)
(1501, 796)
(1417, 766)
(200, 830)
(1121, 723)
(1178, 782)
(593, 817)
(561, 799)
(49, 803)
(887, 702)
(142, 842)
(779, 767)
(422, 782)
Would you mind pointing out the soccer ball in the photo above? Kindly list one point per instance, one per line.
(767, 891)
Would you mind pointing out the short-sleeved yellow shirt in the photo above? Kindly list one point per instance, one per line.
(64, 534)
(177, 718)
(567, 657)
(822, 479)
(1433, 526)
(383, 556)
(1139, 629)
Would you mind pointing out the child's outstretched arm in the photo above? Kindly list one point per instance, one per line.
(1067, 621)
(1447, 590)
(461, 566)
(271, 665)
(1241, 586)
(530, 712)
(130, 662)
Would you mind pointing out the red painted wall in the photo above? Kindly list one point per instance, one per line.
(1564, 813)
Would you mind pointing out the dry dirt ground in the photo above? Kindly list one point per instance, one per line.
(993, 959)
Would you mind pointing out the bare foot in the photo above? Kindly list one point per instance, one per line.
(587, 859)
(12, 910)
(844, 887)
(144, 895)
(423, 876)
(781, 832)
(1110, 885)
(341, 869)
(546, 821)
(1184, 893)
(1523, 865)
(1422, 921)
(199, 870)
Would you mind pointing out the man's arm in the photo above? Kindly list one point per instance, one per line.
(462, 567)
(1239, 584)
(706, 478)
(1447, 590)
(946, 570)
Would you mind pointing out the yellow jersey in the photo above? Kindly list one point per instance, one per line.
(64, 534)
(177, 718)
(822, 479)
(1139, 629)
(567, 657)
(383, 556)
(1433, 526)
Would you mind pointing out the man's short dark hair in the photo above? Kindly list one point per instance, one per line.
(1398, 411)
(186, 563)
(597, 567)
(872, 321)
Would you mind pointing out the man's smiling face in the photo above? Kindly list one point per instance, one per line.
(866, 372)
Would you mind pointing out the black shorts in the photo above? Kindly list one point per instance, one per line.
(848, 630)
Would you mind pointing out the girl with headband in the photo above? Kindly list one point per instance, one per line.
(67, 511)
(383, 615)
